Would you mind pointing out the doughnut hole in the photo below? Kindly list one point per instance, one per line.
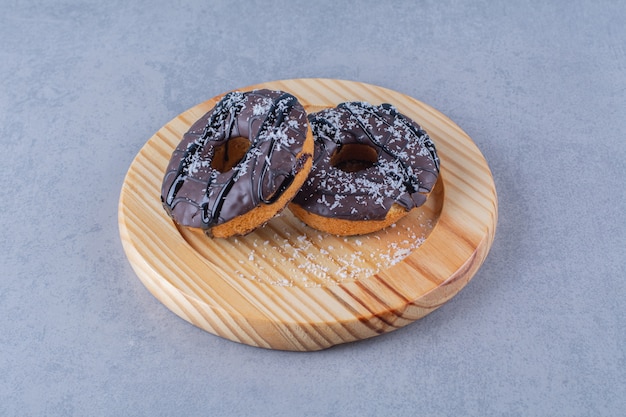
(228, 154)
(354, 157)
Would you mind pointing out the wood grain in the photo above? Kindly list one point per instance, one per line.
(286, 286)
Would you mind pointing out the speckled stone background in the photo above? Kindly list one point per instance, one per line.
(539, 86)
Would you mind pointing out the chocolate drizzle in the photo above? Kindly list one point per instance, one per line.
(405, 172)
(197, 195)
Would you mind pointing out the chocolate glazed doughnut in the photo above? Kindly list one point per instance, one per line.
(239, 164)
(372, 166)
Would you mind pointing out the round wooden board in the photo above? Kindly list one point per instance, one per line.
(286, 286)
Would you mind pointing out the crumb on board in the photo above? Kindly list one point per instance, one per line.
(306, 258)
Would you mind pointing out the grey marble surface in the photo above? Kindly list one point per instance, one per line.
(539, 86)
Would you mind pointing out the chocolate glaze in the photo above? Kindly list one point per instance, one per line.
(405, 172)
(196, 195)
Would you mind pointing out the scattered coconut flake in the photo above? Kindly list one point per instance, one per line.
(307, 258)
